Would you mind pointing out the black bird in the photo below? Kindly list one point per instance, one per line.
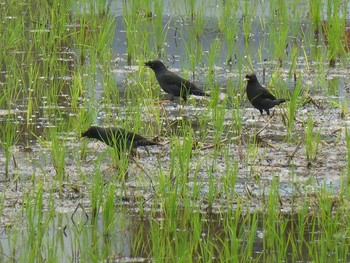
(172, 83)
(260, 97)
(118, 137)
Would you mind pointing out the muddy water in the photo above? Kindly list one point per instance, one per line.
(275, 157)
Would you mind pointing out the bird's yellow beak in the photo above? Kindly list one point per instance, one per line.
(245, 79)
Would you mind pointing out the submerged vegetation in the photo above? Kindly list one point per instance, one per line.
(226, 184)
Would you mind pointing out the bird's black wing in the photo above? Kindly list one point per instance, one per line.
(175, 80)
(138, 139)
(266, 94)
(191, 88)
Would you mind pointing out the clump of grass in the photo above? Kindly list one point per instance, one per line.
(316, 7)
(293, 103)
(194, 54)
(108, 209)
(181, 155)
(58, 153)
(132, 22)
(218, 119)
(343, 109)
(229, 17)
(247, 20)
(160, 34)
(347, 137)
(334, 29)
(279, 29)
(96, 192)
(294, 57)
(9, 137)
(312, 139)
(37, 224)
(231, 175)
(211, 57)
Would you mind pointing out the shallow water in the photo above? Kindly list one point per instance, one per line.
(73, 233)
(31, 162)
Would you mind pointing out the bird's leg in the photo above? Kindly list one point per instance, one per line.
(147, 150)
(265, 126)
(110, 168)
(166, 99)
(149, 177)
(133, 152)
(164, 102)
(273, 113)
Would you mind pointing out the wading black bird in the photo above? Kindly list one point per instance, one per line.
(118, 137)
(260, 97)
(172, 83)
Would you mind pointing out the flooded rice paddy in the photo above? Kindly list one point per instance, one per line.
(226, 184)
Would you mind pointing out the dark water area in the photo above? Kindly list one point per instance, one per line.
(127, 238)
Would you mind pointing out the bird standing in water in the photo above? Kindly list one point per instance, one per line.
(260, 97)
(118, 137)
(172, 83)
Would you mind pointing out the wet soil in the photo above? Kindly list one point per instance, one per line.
(263, 152)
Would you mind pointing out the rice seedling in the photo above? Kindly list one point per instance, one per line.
(229, 17)
(247, 20)
(312, 140)
(278, 30)
(132, 22)
(294, 100)
(334, 29)
(9, 137)
(316, 16)
(160, 31)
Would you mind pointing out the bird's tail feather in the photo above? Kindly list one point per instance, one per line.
(279, 101)
(146, 142)
(200, 93)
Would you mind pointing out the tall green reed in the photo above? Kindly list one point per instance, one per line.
(160, 31)
(334, 29)
(347, 137)
(132, 22)
(315, 7)
(293, 103)
(312, 139)
(10, 135)
(58, 154)
(279, 29)
(247, 20)
(229, 17)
